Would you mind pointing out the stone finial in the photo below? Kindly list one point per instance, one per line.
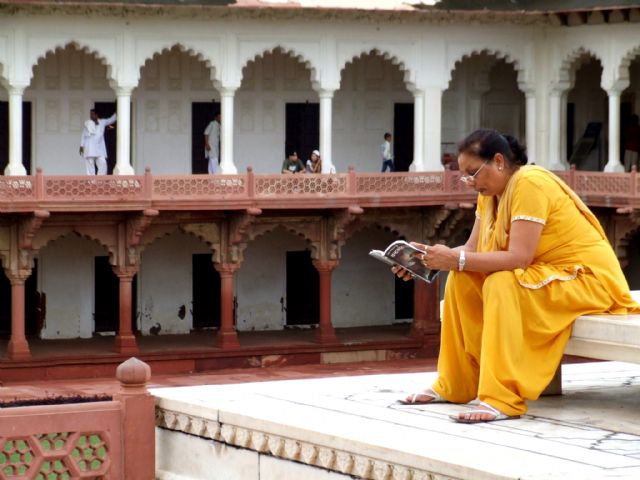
(133, 373)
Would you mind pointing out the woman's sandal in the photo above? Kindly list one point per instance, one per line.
(413, 398)
(465, 417)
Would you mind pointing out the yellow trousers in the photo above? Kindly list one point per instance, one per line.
(501, 342)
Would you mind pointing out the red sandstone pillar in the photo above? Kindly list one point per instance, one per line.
(325, 333)
(125, 340)
(18, 348)
(227, 334)
(138, 421)
(426, 313)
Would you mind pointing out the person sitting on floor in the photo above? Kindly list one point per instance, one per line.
(536, 259)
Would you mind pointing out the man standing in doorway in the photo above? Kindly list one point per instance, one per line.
(387, 155)
(212, 144)
(92, 146)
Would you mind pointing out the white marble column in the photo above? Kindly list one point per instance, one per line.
(326, 127)
(418, 132)
(15, 166)
(613, 159)
(530, 125)
(433, 129)
(556, 159)
(123, 131)
(226, 131)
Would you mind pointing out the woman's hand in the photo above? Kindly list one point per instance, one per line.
(438, 257)
(402, 273)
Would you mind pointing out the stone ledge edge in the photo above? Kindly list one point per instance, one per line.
(340, 461)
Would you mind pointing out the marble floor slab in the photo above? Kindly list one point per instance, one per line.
(353, 425)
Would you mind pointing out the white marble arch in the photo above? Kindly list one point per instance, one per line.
(630, 55)
(499, 53)
(563, 73)
(348, 53)
(307, 53)
(205, 51)
(39, 48)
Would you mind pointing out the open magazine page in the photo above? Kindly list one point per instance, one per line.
(406, 256)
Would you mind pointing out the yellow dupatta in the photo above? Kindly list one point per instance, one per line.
(496, 217)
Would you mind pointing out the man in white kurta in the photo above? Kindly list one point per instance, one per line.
(92, 146)
(212, 144)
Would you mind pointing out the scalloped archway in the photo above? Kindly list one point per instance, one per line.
(183, 49)
(286, 51)
(385, 56)
(75, 46)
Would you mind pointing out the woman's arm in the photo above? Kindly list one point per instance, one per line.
(523, 242)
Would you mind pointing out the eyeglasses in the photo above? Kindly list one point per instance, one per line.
(466, 179)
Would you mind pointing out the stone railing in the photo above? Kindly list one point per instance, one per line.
(233, 192)
(110, 439)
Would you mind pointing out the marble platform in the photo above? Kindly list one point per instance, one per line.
(346, 427)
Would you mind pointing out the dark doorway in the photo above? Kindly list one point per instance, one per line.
(107, 298)
(302, 129)
(202, 113)
(206, 292)
(26, 136)
(404, 298)
(402, 136)
(303, 289)
(105, 110)
(571, 125)
(33, 322)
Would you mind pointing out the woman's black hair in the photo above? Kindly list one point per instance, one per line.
(485, 143)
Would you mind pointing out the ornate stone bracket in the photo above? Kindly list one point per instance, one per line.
(340, 229)
(209, 233)
(307, 227)
(29, 227)
(137, 225)
(442, 225)
(135, 228)
(239, 233)
(623, 228)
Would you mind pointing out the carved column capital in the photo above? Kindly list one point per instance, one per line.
(125, 271)
(226, 269)
(17, 276)
(325, 266)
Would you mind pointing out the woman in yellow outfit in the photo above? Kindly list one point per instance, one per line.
(536, 259)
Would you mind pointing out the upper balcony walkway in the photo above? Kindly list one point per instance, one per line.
(239, 192)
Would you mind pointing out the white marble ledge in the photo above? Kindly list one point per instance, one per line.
(352, 425)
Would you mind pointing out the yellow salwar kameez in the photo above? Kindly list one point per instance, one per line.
(504, 333)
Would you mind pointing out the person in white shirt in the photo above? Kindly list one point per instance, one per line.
(212, 144)
(387, 155)
(92, 146)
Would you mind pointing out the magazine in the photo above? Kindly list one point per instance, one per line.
(405, 255)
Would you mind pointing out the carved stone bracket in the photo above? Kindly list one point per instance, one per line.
(308, 228)
(137, 225)
(340, 229)
(29, 227)
(135, 228)
(442, 225)
(210, 233)
(621, 232)
(238, 228)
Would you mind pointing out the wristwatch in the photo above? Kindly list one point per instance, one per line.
(461, 261)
